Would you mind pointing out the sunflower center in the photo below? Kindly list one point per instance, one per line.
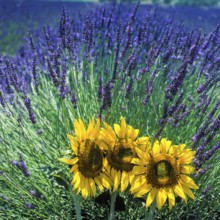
(91, 160)
(120, 157)
(163, 172)
(163, 169)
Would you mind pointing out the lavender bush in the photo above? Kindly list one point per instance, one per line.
(115, 60)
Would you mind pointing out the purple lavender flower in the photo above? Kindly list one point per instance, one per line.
(34, 73)
(190, 98)
(208, 154)
(129, 87)
(29, 205)
(84, 76)
(33, 193)
(88, 33)
(14, 163)
(197, 163)
(107, 96)
(57, 62)
(177, 81)
(175, 105)
(62, 27)
(192, 53)
(12, 75)
(74, 100)
(52, 73)
(149, 88)
(208, 84)
(167, 55)
(31, 41)
(47, 39)
(21, 165)
(216, 124)
(210, 137)
(63, 87)
(28, 105)
(205, 191)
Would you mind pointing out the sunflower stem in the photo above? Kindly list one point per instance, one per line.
(77, 206)
(112, 206)
(149, 213)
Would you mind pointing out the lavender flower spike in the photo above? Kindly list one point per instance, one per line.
(28, 105)
(21, 165)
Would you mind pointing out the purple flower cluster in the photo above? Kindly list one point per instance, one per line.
(28, 105)
(21, 165)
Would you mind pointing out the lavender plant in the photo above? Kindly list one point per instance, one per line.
(114, 61)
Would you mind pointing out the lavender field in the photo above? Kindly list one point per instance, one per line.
(109, 111)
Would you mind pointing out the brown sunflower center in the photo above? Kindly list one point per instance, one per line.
(120, 157)
(90, 160)
(163, 172)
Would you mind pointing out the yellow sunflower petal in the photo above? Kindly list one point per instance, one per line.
(78, 190)
(139, 170)
(188, 192)
(106, 182)
(188, 182)
(69, 161)
(156, 148)
(75, 147)
(74, 168)
(71, 138)
(143, 190)
(90, 127)
(151, 196)
(93, 187)
(80, 130)
(161, 197)
(131, 177)
(117, 129)
(176, 150)
(117, 180)
(74, 143)
(99, 183)
(142, 155)
(137, 182)
(187, 169)
(164, 145)
(132, 133)
(85, 188)
(187, 156)
(124, 181)
(171, 197)
(143, 143)
(138, 161)
(123, 127)
(76, 183)
(138, 188)
(110, 131)
(76, 175)
(179, 191)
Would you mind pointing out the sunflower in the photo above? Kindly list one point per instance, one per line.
(120, 150)
(87, 161)
(162, 171)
